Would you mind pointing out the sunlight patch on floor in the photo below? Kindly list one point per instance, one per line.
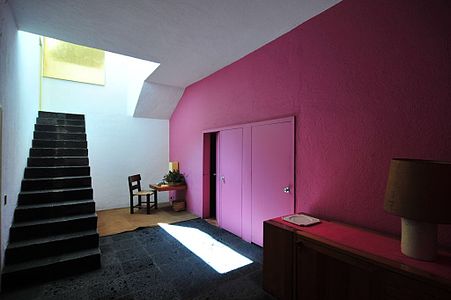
(219, 256)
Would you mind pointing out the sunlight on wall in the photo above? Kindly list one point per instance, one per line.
(219, 256)
(69, 61)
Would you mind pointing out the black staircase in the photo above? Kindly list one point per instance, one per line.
(54, 232)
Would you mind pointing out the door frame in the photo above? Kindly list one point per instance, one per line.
(2, 203)
(247, 167)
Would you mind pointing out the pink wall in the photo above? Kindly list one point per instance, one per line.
(366, 80)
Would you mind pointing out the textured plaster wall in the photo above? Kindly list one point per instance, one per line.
(366, 80)
(19, 98)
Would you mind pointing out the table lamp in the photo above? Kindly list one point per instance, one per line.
(173, 166)
(419, 191)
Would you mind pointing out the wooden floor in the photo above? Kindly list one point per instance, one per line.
(113, 221)
(213, 222)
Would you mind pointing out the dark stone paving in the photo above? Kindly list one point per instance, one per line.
(150, 264)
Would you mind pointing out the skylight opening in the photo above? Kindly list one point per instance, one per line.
(217, 255)
(66, 61)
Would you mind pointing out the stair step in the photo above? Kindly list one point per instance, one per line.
(59, 143)
(41, 228)
(52, 161)
(31, 212)
(50, 246)
(56, 195)
(31, 184)
(60, 128)
(61, 171)
(39, 152)
(58, 115)
(49, 135)
(51, 267)
(53, 121)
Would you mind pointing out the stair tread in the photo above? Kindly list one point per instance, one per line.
(55, 178)
(52, 238)
(60, 121)
(52, 204)
(62, 118)
(40, 118)
(56, 167)
(52, 220)
(57, 157)
(55, 190)
(56, 132)
(59, 113)
(59, 148)
(50, 260)
(59, 140)
(64, 125)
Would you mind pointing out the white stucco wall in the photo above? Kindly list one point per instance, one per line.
(19, 98)
(119, 145)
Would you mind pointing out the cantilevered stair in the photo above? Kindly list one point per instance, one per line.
(54, 232)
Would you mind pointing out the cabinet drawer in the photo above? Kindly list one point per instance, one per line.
(322, 273)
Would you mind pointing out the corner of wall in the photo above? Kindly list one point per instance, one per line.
(19, 96)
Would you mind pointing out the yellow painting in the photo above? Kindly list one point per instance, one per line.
(68, 61)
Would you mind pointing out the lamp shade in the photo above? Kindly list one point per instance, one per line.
(173, 166)
(419, 190)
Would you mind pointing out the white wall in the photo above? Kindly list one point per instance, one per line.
(19, 98)
(118, 144)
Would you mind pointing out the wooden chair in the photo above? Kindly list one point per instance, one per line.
(134, 183)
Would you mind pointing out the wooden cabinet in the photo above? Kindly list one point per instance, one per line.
(322, 273)
(301, 265)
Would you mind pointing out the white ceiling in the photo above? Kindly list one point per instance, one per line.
(191, 39)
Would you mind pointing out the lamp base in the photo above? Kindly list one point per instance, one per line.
(419, 239)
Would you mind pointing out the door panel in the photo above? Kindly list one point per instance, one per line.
(230, 179)
(272, 171)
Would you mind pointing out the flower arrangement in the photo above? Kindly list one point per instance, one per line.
(173, 178)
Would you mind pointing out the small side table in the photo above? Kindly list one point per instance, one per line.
(166, 188)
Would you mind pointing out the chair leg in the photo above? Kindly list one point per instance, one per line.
(155, 199)
(131, 205)
(139, 202)
(148, 203)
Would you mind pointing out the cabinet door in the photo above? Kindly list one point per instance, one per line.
(401, 287)
(230, 179)
(325, 274)
(272, 174)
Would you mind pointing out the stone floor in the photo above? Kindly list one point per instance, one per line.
(148, 263)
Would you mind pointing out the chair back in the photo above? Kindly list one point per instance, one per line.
(134, 183)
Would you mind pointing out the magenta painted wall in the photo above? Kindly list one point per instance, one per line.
(366, 80)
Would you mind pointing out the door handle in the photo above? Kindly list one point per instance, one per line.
(286, 190)
(223, 179)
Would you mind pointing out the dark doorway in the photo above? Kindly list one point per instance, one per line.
(213, 175)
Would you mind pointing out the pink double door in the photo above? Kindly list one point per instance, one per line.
(256, 176)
